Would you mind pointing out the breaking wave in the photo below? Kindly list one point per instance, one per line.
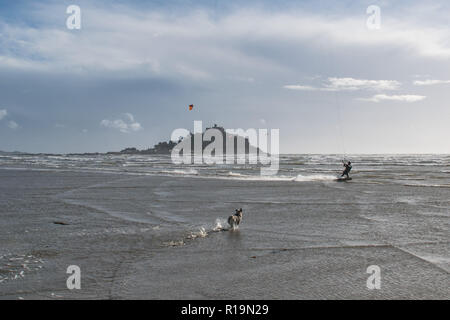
(191, 172)
(315, 177)
(298, 178)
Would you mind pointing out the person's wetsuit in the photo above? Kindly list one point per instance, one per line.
(348, 167)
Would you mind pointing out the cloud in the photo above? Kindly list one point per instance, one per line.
(349, 84)
(125, 125)
(241, 79)
(401, 98)
(129, 116)
(300, 87)
(192, 72)
(3, 113)
(13, 125)
(338, 84)
(195, 43)
(430, 82)
(135, 126)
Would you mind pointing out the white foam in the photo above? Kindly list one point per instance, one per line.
(200, 234)
(315, 177)
(182, 172)
(220, 223)
(299, 178)
(238, 176)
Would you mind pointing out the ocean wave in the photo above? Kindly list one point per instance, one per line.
(298, 178)
(181, 172)
(425, 185)
(247, 177)
(315, 177)
(234, 174)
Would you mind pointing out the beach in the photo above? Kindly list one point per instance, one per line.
(148, 234)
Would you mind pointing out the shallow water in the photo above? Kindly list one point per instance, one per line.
(155, 230)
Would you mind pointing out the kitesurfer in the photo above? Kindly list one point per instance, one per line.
(348, 167)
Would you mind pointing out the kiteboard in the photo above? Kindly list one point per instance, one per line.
(340, 179)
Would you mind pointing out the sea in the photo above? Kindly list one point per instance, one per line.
(142, 227)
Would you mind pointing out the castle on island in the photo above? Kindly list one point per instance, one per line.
(166, 147)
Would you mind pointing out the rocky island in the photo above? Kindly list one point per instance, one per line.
(166, 147)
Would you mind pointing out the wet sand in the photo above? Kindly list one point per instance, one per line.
(155, 237)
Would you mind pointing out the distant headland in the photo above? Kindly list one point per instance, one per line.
(166, 147)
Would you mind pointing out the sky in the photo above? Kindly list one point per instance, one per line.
(319, 71)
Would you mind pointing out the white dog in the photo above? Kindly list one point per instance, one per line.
(235, 219)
